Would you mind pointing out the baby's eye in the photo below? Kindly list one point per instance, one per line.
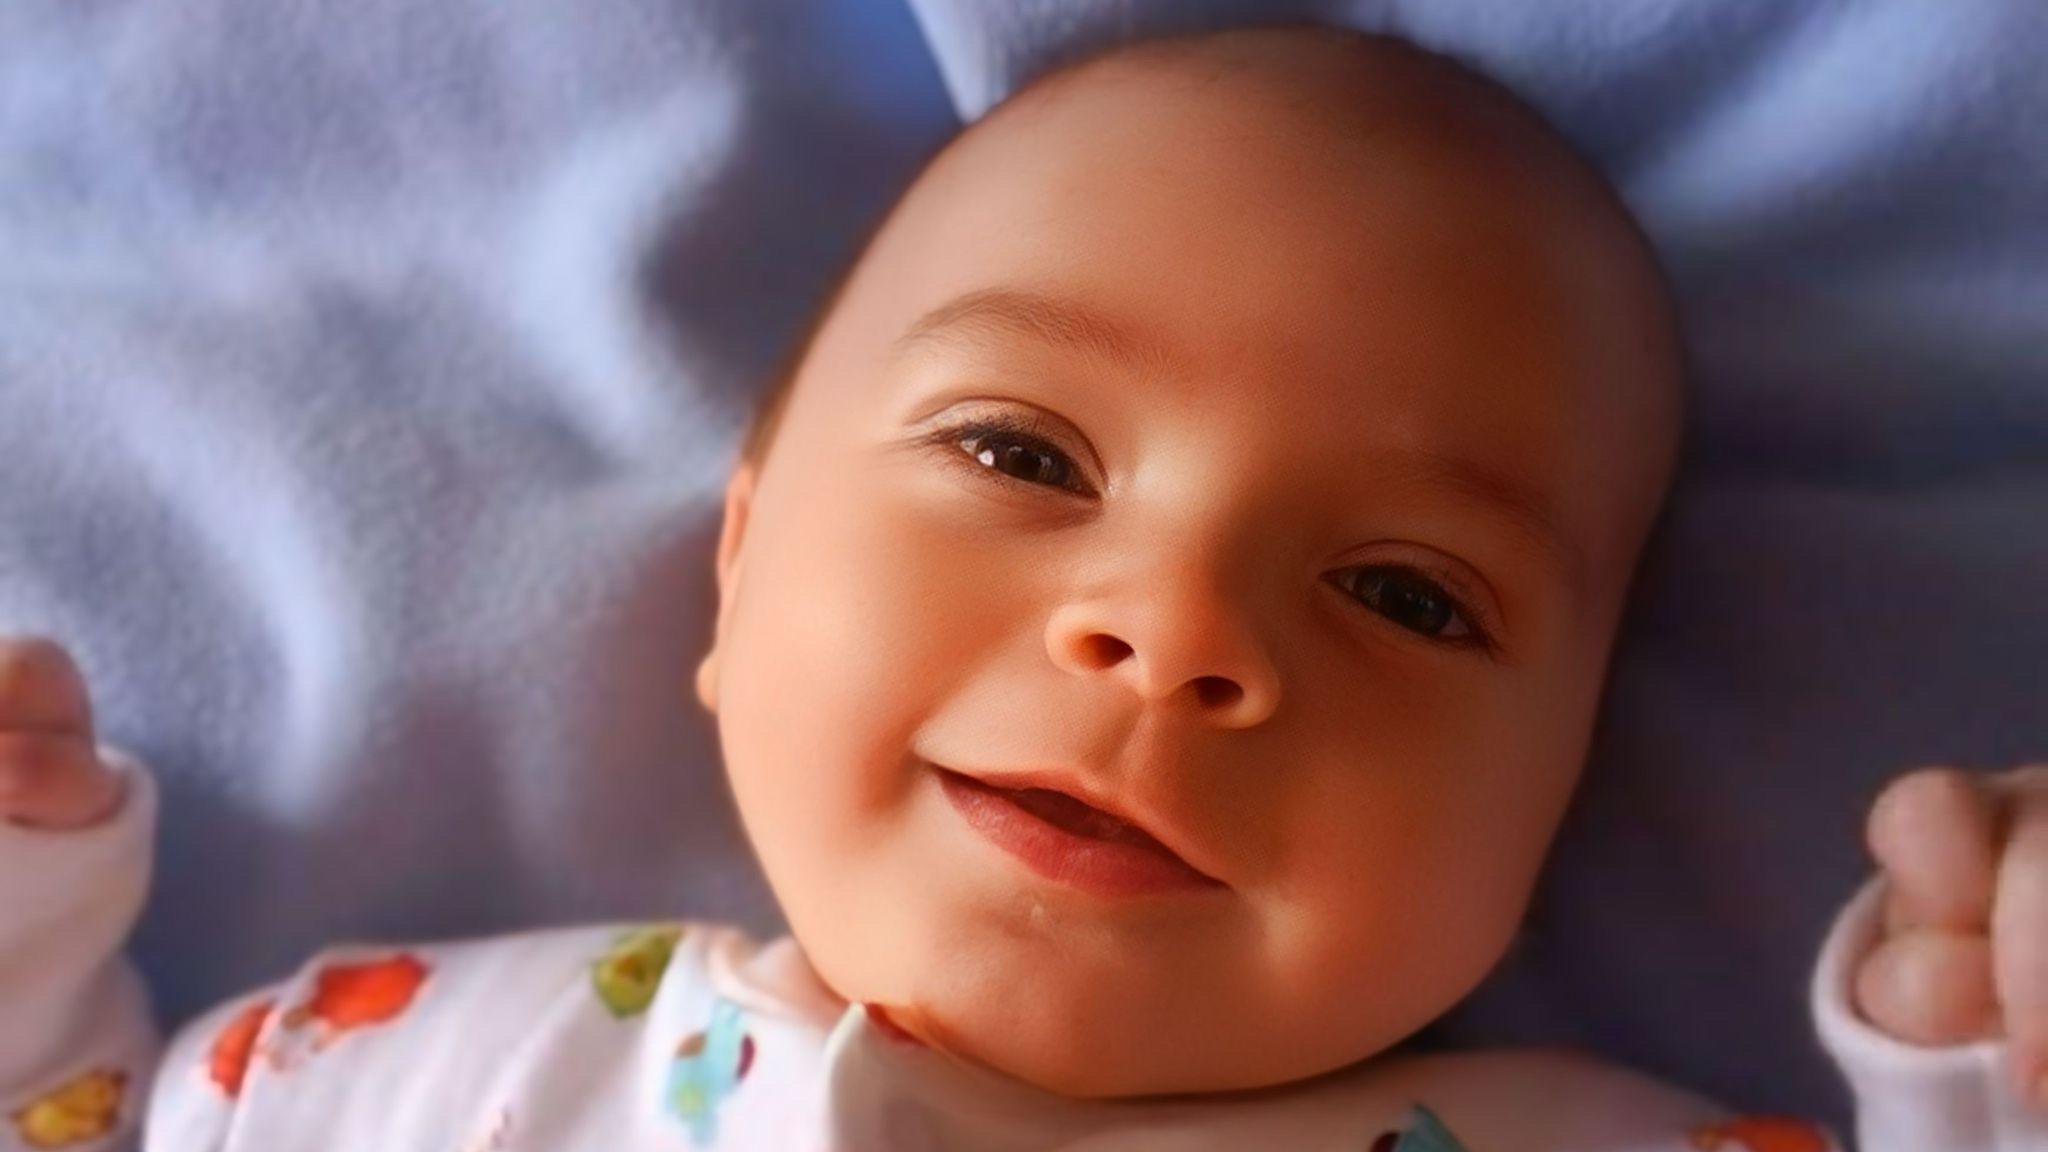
(1410, 599)
(1018, 456)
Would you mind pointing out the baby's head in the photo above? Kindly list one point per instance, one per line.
(1256, 432)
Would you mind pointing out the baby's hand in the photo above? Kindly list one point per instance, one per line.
(1964, 954)
(50, 770)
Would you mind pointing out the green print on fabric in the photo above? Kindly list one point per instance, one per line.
(1423, 1132)
(84, 1110)
(627, 977)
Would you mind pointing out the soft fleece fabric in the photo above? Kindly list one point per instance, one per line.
(368, 369)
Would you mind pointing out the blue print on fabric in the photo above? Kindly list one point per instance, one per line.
(709, 1065)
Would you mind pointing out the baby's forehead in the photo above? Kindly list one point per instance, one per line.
(1252, 228)
(1364, 135)
(1345, 191)
(1379, 97)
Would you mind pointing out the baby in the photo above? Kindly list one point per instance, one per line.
(1161, 621)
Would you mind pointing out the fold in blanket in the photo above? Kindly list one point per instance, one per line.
(368, 372)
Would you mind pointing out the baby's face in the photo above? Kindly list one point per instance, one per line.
(1337, 458)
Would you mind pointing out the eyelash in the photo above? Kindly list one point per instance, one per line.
(1021, 431)
(1476, 635)
(1024, 432)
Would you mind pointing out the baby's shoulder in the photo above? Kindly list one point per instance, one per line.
(619, 967)
(450, 1019)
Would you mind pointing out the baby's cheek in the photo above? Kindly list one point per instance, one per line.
(1399, 917)
(829, 656)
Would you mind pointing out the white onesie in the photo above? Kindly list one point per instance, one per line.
(685, 1035)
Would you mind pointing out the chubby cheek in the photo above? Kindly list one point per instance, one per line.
(1409, 921)
(854, 617)
(1403, 887)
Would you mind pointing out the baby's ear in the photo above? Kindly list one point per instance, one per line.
(707, 681)
(739, 500)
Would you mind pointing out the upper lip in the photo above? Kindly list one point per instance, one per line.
(1074, 784)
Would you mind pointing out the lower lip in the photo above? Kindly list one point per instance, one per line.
(1101, 866)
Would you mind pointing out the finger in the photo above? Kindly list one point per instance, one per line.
(41, 687)
(2019, 929)
(1928, 986)
(54, 781)
(1934, 832)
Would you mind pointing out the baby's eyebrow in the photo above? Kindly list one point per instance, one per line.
(1034, 316)
(1519, 505)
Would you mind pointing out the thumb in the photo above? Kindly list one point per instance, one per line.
(1930, 986)
(1934, 832)
(54, 781)
(1931, 978)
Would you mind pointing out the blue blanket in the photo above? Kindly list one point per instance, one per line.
(368, 372)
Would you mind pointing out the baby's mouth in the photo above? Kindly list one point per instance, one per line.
(1066, 838)
(1064, 811)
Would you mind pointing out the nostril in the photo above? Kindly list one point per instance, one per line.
(1105, 651)
(1217, 691)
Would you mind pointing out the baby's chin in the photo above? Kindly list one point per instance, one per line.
(1086, 1065)
(1099, 1039)
(1075, 1064)
(1091, 998)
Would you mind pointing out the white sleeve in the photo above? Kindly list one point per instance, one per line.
(1911, 1098)
(77, 1044)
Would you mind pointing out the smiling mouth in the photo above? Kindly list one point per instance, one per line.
(1063, 811)
(1066, 839)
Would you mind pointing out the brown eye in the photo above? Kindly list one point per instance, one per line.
(1408, 598)
(1019, 457)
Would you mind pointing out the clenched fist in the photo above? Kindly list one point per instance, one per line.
(50, 770)
(1964, 951)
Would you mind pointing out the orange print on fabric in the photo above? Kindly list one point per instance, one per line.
(228, 1061)
(1761, 1134)
(347, 997)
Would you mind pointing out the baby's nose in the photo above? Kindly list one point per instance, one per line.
(1171, 652)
